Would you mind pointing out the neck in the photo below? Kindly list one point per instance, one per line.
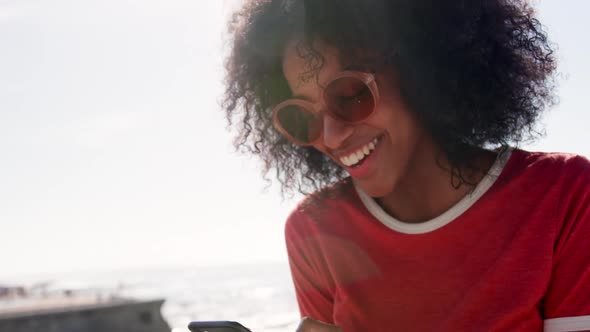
(427, 191)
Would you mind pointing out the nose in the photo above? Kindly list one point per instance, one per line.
(335, 131)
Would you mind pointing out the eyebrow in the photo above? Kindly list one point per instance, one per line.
(301, 97)
(298, 96)
(353, 67)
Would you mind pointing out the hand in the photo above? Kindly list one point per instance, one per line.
(311, 325)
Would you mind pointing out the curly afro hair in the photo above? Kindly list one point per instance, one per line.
(476, 73)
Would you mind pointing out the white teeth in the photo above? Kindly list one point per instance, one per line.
(359, 155)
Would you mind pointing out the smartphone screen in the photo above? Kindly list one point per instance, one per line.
(216, 329)
(217, 326)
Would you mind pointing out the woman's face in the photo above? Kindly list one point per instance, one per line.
(395, 142)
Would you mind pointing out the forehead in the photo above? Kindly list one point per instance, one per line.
(304, 66)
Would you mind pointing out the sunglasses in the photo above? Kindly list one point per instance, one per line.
(350, 97)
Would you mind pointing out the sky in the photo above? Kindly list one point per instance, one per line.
(114, 151)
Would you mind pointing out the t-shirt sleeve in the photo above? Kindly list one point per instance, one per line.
(309, 270)
(567, 301)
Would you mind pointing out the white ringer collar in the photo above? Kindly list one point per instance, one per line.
(451, 214)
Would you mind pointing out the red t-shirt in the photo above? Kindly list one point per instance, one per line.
(512, 256)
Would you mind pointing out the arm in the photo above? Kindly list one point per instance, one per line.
(309, 270)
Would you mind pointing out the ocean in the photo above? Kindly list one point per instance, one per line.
(259, 296)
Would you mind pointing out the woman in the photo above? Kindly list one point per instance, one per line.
(398, 116)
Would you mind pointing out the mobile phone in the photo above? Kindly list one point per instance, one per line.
(217, 326)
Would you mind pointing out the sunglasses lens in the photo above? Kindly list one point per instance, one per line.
(301, 124)
(349, 99)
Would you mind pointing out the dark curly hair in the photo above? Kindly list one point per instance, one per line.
(477, 73)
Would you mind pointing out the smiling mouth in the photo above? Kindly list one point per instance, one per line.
(355, 158)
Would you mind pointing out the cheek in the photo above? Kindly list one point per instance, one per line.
(392, 117)
(400, 124)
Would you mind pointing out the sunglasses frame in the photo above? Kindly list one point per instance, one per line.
(322, 107)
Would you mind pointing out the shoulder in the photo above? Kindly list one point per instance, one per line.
(547, 158)
(575, 186)
(562, 178)
(543, 175)
(547, 166)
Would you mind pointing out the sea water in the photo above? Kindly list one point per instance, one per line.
(259, 296)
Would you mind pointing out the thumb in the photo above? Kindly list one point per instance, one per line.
(311, 325)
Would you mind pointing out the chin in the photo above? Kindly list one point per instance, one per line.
(376, 190)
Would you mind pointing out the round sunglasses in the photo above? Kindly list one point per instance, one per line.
(350, 97)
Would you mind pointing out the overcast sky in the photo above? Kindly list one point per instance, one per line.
(114, 151)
